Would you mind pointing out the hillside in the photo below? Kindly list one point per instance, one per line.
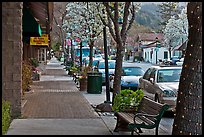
(148, 16)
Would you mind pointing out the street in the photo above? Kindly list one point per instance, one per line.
(143, 65)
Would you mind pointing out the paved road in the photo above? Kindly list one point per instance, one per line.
(143, 65)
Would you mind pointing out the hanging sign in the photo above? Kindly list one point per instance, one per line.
(41, 41)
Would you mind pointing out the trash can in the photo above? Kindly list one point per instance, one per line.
(94, 82)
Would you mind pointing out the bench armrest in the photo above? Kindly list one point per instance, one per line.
(142, 114)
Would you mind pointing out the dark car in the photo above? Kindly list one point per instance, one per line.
(174, 59)
(101, 68)
(129, 78)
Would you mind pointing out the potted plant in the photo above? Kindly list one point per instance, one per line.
(83, 78)
(72, 70)
(127, 100)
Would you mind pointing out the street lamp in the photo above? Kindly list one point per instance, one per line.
(106, 65)
(157, 47)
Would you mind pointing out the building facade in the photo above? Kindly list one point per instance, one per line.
(16, 47)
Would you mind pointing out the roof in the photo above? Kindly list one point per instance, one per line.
(166, 66)
(132, 41)
(181, 46)
(150, 36)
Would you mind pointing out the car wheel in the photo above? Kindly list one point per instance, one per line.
(156, 99)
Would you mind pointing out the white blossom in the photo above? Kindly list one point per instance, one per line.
(176, 30)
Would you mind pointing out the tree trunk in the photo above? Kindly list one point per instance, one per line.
(118, 71)
(81, 56)
(188, 119)
(91, 53)
(72, 53)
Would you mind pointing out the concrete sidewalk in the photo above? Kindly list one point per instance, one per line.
(55, 106)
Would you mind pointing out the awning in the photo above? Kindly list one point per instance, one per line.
(30, 25)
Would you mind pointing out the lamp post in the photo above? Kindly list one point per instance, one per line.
(106, 67)
(157, 47)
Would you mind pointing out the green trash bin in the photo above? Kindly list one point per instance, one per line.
(94, 82)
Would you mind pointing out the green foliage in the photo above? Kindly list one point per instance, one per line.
(26, 76)
(56, 46)
(127, 100)
(34, 62)
(6, 116)
(59, 58)
(73, 70)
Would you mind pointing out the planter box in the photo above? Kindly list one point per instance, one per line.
(83, 84)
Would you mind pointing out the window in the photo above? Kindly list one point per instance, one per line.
(147, 74)
(132, 71)
(42, 54)
(169, 75)
(153, 72)
(165, 54)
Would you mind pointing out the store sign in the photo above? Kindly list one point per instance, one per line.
(41, 41)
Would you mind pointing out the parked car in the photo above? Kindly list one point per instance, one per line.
(180, 62)
(98, 56)
(174, 59)
(129, 78)
(160, 83)
(101, 68)
(94, 62)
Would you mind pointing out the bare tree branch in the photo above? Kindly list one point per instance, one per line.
(115, 22)
(111, 29)
(133, 17)
(125, 19)
(108, 10)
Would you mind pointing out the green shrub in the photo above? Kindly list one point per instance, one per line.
(59, 58)
(127, 100)
(6, 116)
(34, 62)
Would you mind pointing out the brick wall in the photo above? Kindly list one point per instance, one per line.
(12, 55)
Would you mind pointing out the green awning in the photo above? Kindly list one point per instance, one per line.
(31, 28)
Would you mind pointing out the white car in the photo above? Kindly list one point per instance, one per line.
(160, 83)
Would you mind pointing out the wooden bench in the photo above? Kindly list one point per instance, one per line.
(147, 116)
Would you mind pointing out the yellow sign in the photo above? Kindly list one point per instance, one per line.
(43, 40)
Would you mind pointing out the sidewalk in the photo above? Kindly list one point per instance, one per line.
(55, 106)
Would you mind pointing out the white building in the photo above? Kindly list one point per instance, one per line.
(151, 53)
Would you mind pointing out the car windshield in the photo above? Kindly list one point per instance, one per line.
(95, 62)
(111, 65)
(168, 75)
(132, 71)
